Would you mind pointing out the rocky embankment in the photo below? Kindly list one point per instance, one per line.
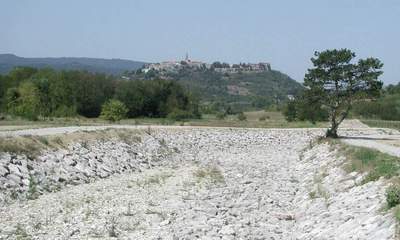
(83, 159)
(188, 184)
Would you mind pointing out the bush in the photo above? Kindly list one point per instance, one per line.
(113, 110)
(241, 117)
(385, 108)
(65, 111)
(393, 196)
(24, 101)
(221, 115)
(178, 115)
(264, 117)
(290, 111)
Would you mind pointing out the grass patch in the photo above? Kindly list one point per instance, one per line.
(32, 146)
(27, 145)
(397, 214)
(393, 195)
(211, 173)
(366, 160)
(255, 119)
(156, 179)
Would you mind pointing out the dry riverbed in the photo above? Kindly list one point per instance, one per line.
(189, 183)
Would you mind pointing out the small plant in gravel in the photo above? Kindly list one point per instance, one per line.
(312, 194)
(129, 211)
(20, 233)
(112, 227)
(393, 195)
(148, 131)
(162, 142)
(58, 141)
(32, 191)
(43, 140)
(212, 173)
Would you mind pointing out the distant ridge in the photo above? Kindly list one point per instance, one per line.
(100, 65)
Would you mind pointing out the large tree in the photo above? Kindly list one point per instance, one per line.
(337, 81)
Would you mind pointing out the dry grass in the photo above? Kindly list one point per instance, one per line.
(255, 119)
(211, 173)
(32, 146)
(365, 160)
(155, 179)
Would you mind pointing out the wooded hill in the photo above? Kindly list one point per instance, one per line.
(95, 65)
(242, 90)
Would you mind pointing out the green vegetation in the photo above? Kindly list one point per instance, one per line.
(240, 91)
(100, 65)
(241, 116)
(211, 173)
(273, 119)
(155, 179)
(334, 84)
(113, 110)
(374, 162)
(32, 191)
(393, 195)
(386, 107)
(303, 108)
(31, 94)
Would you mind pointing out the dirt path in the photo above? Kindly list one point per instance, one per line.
(384, 140)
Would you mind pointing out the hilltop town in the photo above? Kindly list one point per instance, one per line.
(175, 66)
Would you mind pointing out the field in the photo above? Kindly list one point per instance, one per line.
(254, 119)
(382, 123)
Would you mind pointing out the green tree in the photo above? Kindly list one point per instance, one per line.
(113, 110)
(24, 101)
(290, 111)
(131, 93)
(336, 82)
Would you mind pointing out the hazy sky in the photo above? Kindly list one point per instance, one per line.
(284, 33)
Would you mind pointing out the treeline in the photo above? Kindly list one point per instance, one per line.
(34, 93)
(305, 108)
(386, 107)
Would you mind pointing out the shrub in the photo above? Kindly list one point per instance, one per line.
(397, 214)
(290, 111)
(241, 116)
(178, 115)
(65, 111)
(221, 115)
(113, 110)
(24, 101)
(264, 117)
(393, 196)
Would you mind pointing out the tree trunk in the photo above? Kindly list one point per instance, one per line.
(332, 132)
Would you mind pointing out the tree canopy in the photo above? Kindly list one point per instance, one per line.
(336, 81)
(33, 93)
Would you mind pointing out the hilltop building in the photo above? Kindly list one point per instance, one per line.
(175, 66)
